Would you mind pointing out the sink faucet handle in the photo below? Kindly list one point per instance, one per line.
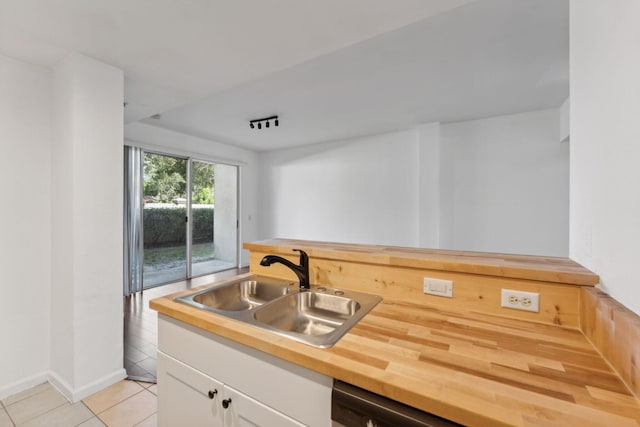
(304, 258)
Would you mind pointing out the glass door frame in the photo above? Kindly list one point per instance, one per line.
(187, 220)
(190, 221)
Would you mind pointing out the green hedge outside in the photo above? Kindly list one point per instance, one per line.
(166, 226)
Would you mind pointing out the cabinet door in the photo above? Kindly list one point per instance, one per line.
(243, 411)
(187, 397)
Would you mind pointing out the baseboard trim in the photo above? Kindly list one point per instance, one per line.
(23, 384)
(76, 395)
(61, 385)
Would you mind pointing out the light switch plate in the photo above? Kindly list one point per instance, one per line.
(439, 287)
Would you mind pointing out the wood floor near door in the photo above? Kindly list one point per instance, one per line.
(141, 324)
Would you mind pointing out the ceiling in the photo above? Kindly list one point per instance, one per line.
(330, 69)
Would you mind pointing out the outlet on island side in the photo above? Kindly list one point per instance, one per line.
(439, 287)
(521, 300)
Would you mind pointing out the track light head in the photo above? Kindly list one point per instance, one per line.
(266, 121)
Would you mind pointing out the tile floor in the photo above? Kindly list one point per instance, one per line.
(126, 403)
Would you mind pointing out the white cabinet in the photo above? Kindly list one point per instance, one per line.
(243, 411)
(198, 371)
(190, 398)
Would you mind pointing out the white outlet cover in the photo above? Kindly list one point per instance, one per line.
(439, 287)
(526, 301)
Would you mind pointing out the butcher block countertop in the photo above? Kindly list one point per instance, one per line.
(475, 369)
(546, 269)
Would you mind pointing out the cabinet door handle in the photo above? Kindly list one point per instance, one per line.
(226, 403)
(212, 393)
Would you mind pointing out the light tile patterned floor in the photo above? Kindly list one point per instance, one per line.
(124, 404)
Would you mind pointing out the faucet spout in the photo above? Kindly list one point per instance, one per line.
(302, 270)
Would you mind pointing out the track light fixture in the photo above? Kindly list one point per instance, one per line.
(266, 121)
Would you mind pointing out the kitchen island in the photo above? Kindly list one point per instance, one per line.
(460, 358)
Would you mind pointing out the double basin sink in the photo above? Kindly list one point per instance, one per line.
(319, 316)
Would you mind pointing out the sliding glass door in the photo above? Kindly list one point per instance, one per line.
(164, 219)
(189, 218)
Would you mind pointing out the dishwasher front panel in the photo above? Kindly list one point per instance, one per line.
(354, 407)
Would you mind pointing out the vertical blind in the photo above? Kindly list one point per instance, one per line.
(133, 239)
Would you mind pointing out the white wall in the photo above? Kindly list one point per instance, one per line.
(508, 185)
(497, 184)
(61, 256)
(25, 246)
(565, 120)
(605, 147)
(359, 191)
(87, 175)
(430, 182)
(170, 142)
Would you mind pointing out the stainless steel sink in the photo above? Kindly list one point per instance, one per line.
(308, 313)
(238, 296)
(319, 316)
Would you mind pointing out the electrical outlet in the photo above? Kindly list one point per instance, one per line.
(439, 287)
(521, 300)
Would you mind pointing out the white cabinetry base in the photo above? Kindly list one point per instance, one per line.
(192, 361)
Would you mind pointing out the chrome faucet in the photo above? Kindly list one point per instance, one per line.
(302, 270)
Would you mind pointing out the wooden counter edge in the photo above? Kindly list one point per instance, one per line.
(547, 269)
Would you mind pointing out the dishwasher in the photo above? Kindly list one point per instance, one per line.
(354, 407)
